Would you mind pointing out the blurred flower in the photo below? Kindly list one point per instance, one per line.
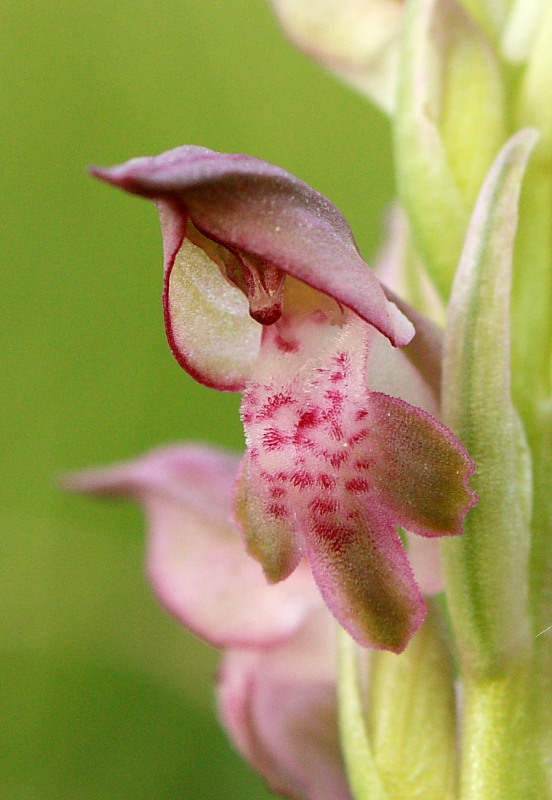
(277, 692)
(358, 40)
(265, 291)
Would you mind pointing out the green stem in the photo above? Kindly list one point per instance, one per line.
(506, 726)
(363, 774)
(500, 751)
(541, 584)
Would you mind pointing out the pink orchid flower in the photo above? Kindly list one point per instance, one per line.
(277, 683)
(266, 292)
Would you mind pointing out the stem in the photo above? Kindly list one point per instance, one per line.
(500, 759)
(506, 715)
(541, 586)
(363, 774)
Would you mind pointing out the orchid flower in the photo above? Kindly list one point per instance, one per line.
(277, 683)
(266, 292)
(348, 466)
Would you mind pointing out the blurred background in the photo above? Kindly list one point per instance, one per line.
(101, 694)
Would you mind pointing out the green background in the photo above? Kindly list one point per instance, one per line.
(102, 695)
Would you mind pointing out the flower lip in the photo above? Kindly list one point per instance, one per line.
(258, 209)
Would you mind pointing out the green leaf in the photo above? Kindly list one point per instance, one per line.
(487, 568)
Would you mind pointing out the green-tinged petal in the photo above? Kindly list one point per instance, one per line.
(420, 470)
(268, 533)
(487, 568)
(412, 716)
(208, 323)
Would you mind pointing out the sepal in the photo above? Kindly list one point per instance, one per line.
(280, 707)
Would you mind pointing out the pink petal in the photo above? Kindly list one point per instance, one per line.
(279, 707)
(196, 560)
(254, 207)
(348, 466)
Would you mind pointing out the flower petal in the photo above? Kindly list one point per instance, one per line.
(208, 325)
(420, 471)
(358, 40)
(252, 207)
(196, 552)
(279, 707)
(337, 468)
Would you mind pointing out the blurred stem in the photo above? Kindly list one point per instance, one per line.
(363, 774)
(541, 575)
(426, 184)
